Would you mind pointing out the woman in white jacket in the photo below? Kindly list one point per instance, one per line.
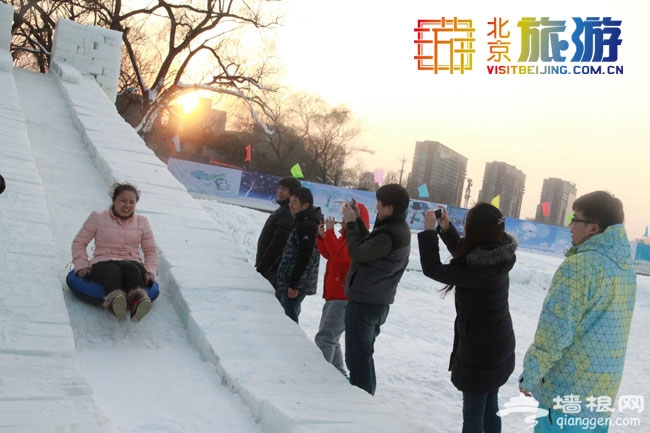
(116, 263)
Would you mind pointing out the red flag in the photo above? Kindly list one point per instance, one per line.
(248, 153)
(546, 209)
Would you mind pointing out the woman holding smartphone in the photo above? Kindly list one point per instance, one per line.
(483, 355)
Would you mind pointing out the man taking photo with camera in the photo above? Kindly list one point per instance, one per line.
(378, 260)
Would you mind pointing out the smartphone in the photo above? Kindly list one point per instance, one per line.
(438, 213)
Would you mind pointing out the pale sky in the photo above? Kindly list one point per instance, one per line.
(589, 130)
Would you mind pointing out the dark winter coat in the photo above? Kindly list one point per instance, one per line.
(272, 240)
(379, 259)
(298, 267)
(483, 356)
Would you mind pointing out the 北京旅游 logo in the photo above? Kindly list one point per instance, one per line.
(523, 46)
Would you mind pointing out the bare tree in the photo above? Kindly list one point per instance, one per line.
(391, 176)
(308, 131)
(352, 176)
(328, 132)
(33, 30)
(164, 43)
(282, 144)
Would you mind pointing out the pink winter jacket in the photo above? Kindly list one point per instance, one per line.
(115, 239)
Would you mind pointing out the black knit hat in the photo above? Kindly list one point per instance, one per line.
(2, 184)
(290, 182)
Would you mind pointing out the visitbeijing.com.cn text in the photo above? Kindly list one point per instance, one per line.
(554, 70)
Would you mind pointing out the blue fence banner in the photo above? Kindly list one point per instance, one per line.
(259, 191)
(206, 178)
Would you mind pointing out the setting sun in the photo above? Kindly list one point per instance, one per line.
(189, 101)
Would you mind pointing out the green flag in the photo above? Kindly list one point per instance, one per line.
(297, 172)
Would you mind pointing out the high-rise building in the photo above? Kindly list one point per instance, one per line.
(507, 182)
(557, 199)
(441, 169)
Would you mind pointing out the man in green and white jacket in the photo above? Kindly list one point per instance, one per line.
(575, 364)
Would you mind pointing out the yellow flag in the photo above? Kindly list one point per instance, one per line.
(297, 172)
(496, 201)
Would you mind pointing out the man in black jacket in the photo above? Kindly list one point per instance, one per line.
(276, 230)
(378, 260)
(298, 270)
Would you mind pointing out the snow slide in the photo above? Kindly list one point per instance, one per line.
(216, 353)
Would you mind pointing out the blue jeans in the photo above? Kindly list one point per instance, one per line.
(291, 306)
(480, 412)
(558, 422)
(332, 325)
(362, 323)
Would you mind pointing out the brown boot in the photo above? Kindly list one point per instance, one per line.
(115, 302)
(139, 304)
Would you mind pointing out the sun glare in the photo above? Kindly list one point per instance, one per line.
(189, 101)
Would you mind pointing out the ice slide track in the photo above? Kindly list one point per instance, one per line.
(160, 377)
(178, 368)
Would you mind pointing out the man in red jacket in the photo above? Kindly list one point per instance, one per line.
(332, 322)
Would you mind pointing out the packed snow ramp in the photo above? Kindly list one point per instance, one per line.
(211, 296)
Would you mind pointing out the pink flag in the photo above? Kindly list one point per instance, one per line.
(379, 176)
(546, 209)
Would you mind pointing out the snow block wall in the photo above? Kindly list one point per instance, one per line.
(35, 334)
(91, 51)
(6, 19)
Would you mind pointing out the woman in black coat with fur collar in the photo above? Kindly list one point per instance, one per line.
(483, 356)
